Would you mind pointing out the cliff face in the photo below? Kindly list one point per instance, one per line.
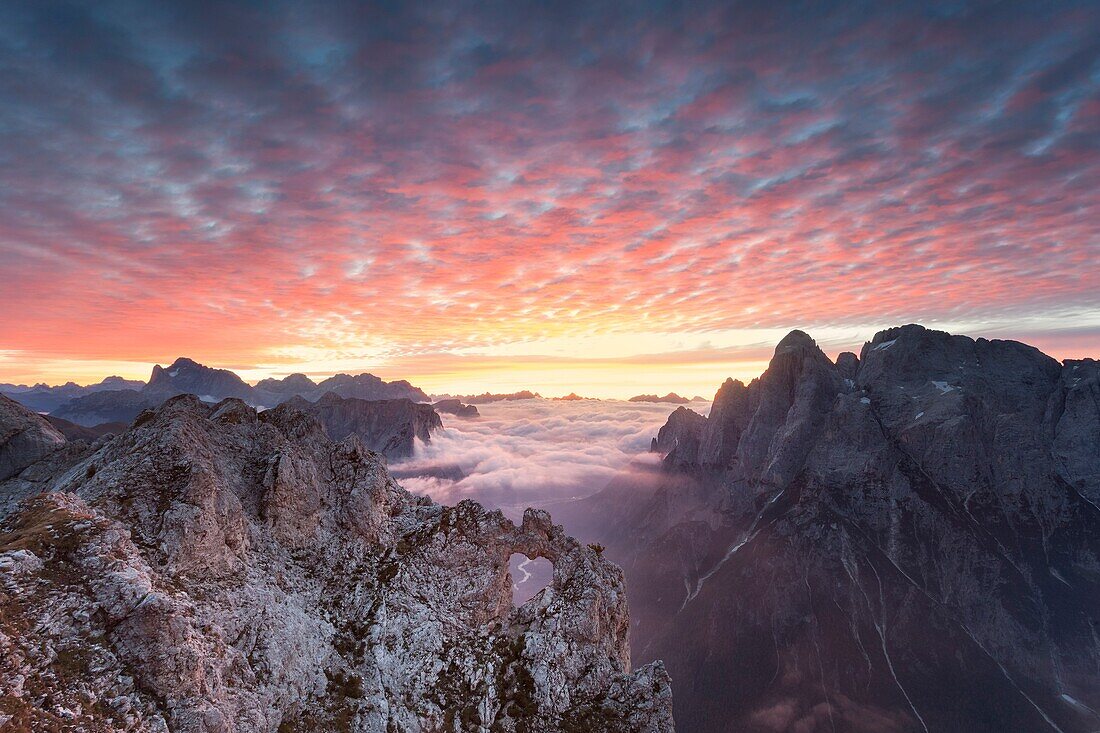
(212, 569)
(389, 427)
(905, 541)
(456, 408)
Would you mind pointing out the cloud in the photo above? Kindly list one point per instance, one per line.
(211, 178)
(535, 452)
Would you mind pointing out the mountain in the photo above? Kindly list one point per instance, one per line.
(274, 391)
(571, 397)
(388, 427)
(456, 408)
(44, 398)
(25, 437)
(671, 398)
(215, 569)
(112, 406)
(369, 387)
(73, 431)
(679, 438)
(488, 397)
(185, 376)
(908, 540)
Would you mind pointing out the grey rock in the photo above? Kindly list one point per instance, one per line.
(215, 569)
(678, 440)
(25, 438)
(456, 408)
(185, 376)
(389, 427)
(909, 541)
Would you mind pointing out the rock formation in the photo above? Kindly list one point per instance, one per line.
(185, 376)
(25, 437)
(215, 569)
(904, 541)
(456, 408)
(678, 440)
(388, 427)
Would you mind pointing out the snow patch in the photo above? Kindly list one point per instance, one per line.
(943, 387)
(885, 345)
(865, 400)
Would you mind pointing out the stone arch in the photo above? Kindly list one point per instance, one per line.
(529, 575)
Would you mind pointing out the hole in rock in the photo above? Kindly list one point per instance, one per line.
(528, 576)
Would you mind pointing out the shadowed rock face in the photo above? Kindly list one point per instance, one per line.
(215, 569)
(185, 376)
(906, 541)
(389, 427)
(679, 438)
(25, 438)
(456, 408)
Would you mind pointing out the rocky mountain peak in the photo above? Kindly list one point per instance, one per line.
(218, 569)
(921, 521)
(795, 340)
(188, 376)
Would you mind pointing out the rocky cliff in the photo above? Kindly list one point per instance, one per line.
(456, 408)
(215, 569)
(389, 427)
(185, 376)
(904, 541)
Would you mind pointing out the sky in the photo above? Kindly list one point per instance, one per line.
(607, 198)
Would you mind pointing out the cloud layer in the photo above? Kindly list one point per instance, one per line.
(535, 452)
(278, 183)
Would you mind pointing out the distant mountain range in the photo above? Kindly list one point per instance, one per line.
(671, 398)
(118, 400)
(907, 540)
(44, 398)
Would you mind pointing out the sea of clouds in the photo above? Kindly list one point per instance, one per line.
(534, 452)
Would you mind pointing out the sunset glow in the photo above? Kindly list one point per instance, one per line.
(559, 198)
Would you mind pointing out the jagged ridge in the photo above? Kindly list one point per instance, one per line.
(215, 569)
